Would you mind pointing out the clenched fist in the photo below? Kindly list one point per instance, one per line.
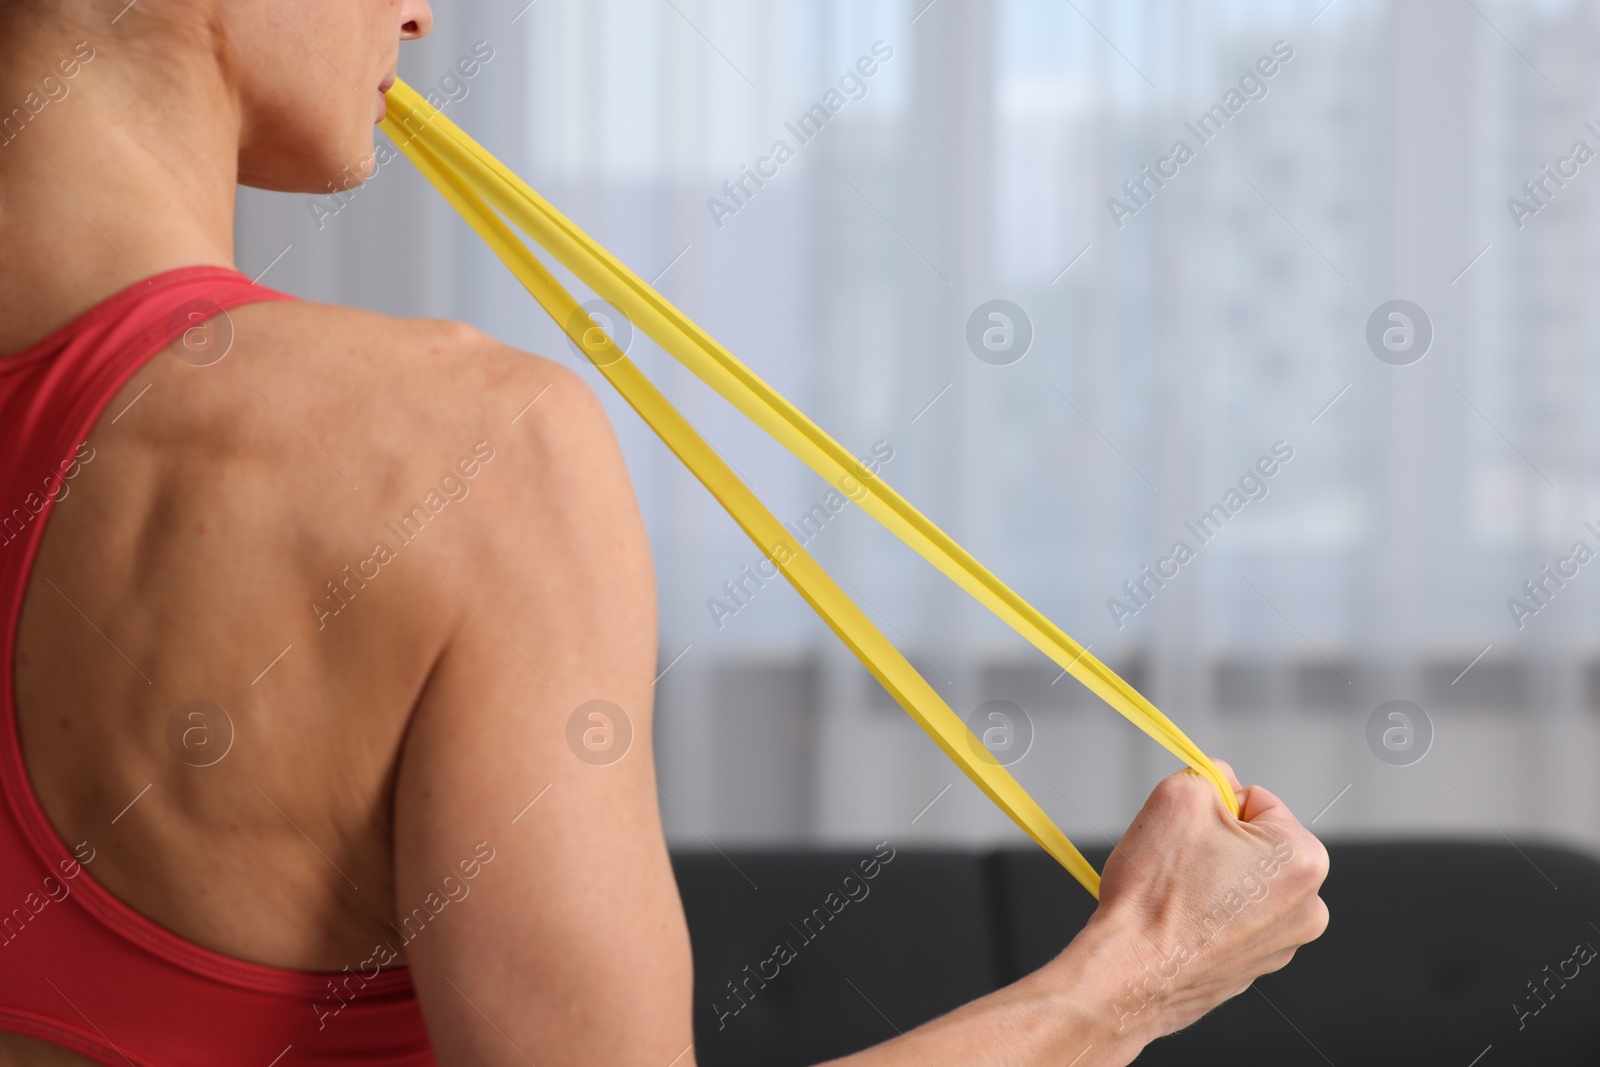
(1199, 903)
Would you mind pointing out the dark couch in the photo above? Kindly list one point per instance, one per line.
(1428, 958)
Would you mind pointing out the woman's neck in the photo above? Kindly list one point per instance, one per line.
(115, 165)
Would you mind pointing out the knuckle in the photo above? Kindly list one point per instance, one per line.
(1173, 794)
(1277, 961)
(1310, 864)
(1305, 922)
(1316, 923)
(1173, 784)
(1320, 861)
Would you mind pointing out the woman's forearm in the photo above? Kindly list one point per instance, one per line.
(1195, 904)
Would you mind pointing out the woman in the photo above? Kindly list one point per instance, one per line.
(298, 602)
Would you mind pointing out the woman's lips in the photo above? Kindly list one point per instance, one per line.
(383, 89)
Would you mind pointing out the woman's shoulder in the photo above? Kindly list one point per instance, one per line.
(400, 357)
(397, 384)
(397, 397)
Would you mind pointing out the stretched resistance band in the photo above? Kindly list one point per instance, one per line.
(492, 199)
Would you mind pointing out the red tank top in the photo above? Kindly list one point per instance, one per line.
(78, 967)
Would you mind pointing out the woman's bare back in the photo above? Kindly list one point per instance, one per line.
(240, 602)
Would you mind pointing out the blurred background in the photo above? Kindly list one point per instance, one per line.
(1158, 339)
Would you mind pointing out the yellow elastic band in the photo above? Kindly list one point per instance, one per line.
(482, 190)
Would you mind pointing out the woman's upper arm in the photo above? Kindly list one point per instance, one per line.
(535, 898)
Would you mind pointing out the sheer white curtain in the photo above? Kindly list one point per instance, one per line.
(1170, 354)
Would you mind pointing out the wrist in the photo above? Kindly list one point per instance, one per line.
(1107, 992)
